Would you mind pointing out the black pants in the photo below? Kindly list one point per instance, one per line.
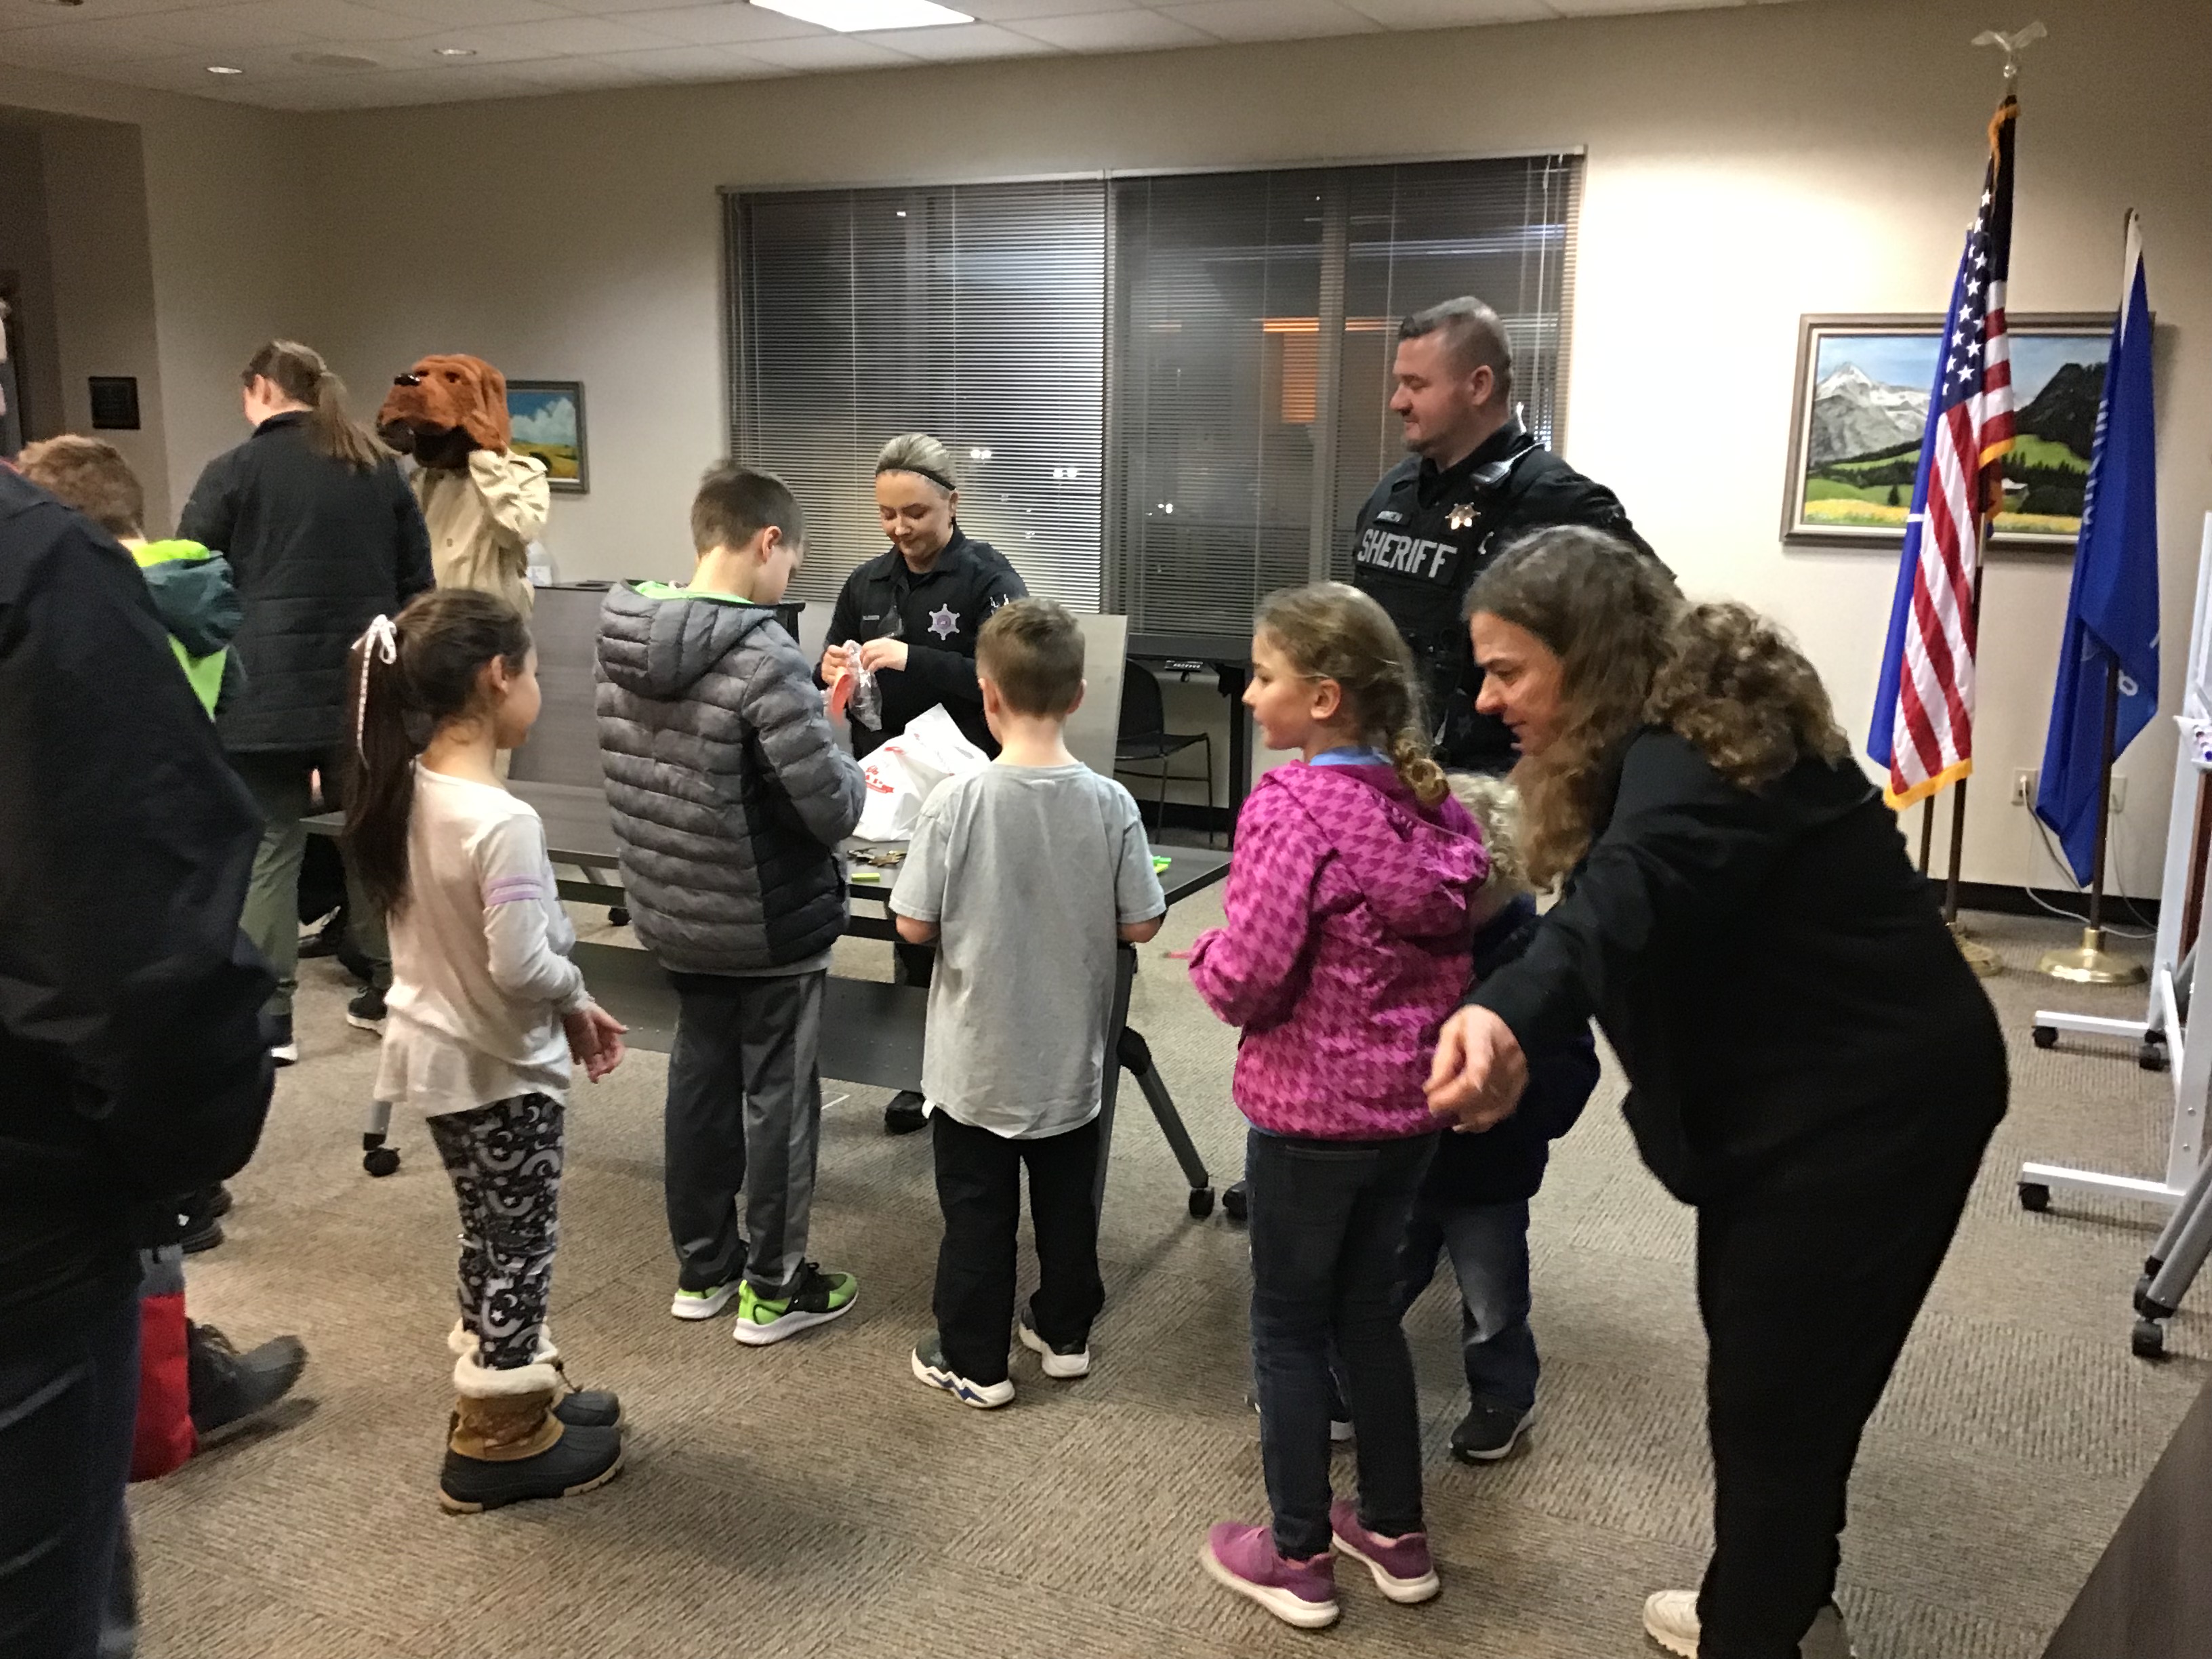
(69, 1404)
(979, 1187)
(1327, 1221)
(744, 1114)
(1809, 1289)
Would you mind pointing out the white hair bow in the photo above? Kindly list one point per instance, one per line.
(378, 642)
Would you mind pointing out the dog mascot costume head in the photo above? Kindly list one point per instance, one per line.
(484, 504)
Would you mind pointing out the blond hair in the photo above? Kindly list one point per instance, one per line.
(1331, 631)
(1495, 805)
(922, 455)
(1634, 653)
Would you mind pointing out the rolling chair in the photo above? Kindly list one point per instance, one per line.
(1144, 738)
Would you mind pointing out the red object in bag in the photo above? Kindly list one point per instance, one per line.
(166, 1438)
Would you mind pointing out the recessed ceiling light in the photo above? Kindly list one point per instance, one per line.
(223, 68)
(850, 17)
(457, 52)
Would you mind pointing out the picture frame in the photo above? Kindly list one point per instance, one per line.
(1860, 412)
(548, 421)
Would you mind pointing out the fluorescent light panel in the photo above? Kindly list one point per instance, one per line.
(851, 16)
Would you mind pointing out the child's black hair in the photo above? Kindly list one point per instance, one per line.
(438, 647)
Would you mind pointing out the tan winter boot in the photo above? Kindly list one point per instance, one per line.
(506, 1446)
(580, 1409)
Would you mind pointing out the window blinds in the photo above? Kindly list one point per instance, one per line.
(973, 312)
(1255, 318)
(1166, 394)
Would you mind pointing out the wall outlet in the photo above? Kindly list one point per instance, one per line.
(2023, 788)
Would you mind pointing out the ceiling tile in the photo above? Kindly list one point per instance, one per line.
(188, 73)
(1015, 11)
(265, 24)
(721, 25)
(474, 14)
(338, 20)
(1269, 19)
(682, 63)
(1607, 8)
(553, 37)
(629, 8)
(1450, 13)
(958, 41)
(27, 14)
(74, 45)
(818, 52)
(1115, 31)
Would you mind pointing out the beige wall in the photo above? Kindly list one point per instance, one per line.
(1745, 166)
(25, 254)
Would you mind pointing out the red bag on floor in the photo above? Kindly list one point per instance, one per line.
(166, 1438)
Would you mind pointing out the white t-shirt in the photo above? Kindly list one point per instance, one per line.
(480, 972)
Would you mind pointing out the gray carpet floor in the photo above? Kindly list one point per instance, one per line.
(813, 1498)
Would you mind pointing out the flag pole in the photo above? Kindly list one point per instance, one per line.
(1927, 833)
(1985, 962)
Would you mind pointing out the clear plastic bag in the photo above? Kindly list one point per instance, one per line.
(855, 693)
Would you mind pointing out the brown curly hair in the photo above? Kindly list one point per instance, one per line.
(1634, 653)
(1331, 631)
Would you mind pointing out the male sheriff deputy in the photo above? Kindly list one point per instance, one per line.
(1474, 479)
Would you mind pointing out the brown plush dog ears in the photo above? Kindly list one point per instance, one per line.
(451, 391)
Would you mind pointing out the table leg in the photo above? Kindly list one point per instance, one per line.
(1232, 677)
(1125, 971)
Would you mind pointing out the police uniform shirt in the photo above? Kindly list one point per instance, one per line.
(937, 613)
(1428, 531)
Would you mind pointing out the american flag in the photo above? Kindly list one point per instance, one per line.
(1924, 715)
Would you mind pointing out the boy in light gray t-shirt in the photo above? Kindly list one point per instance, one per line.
(1023, 875)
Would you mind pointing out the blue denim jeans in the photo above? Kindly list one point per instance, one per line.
(1488, 1245)
(1327, 1221)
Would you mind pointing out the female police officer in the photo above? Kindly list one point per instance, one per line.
(914, 610)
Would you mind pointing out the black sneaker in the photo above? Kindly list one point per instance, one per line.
(904, 1115)
(199, 1219)
(1490, 1431)
(228, 1388)
(277, 1029)
(327, 940)
(366, 1012)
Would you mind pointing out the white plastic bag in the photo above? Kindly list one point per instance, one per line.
(902, 772)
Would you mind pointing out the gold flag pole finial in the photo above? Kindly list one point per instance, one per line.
(2014, 45)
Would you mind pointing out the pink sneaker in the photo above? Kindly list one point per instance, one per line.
(1404, 1570)
(1243, 1559)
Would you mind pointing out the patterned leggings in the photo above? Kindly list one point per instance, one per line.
(505, 1163)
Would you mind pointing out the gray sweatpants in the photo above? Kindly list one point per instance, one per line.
(744, 1114)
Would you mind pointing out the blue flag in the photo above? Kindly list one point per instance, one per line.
(2111, 614)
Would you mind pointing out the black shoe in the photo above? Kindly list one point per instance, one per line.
(197, 1218)
(276, 1031)
(579, 1460)
(904, 1115)
(329, 940)
(589, 1408)
(227, 1386)
(366, 1012)
(1490, 1431)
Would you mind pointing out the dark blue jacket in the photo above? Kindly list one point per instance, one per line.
(1505, 1164)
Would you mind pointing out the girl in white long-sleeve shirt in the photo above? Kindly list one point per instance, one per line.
(485, 1013)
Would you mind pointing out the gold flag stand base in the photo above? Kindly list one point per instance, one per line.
(1985, 962)
(2091, 964)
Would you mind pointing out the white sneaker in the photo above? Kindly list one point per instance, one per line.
(1055, 1362)
(702, 1304)
(284, 1054)
(1670, 1618)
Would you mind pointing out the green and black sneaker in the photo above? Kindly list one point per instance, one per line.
(815, 1298)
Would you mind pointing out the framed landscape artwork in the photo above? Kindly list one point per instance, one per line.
(1862, 410)
(548, 417)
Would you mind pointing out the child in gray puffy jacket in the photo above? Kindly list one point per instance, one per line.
(730, 796)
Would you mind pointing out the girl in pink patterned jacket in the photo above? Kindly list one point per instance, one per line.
(1347, 942)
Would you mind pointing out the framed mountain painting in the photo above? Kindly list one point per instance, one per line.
(1863, 385)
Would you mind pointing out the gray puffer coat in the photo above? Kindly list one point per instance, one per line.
(729, 791)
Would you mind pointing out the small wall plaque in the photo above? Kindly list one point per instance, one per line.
(114, 403)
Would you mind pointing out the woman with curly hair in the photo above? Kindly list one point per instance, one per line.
(1811, 1064)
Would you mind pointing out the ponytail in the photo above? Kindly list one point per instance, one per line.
(300, 374)
(1334, 632)
(410, 675)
